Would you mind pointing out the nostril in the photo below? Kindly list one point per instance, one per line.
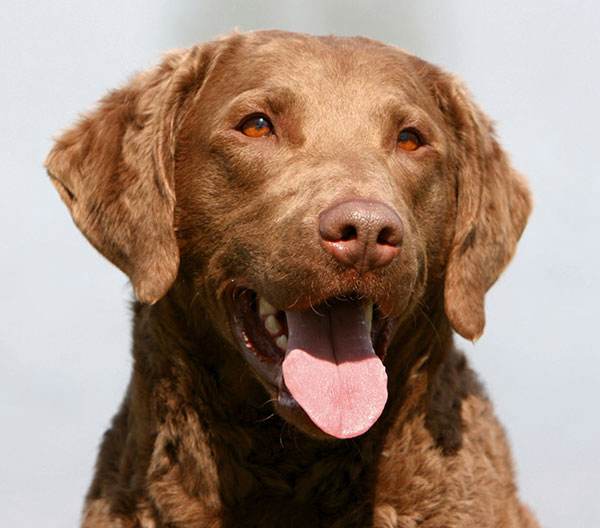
(348, 233)
(388, 236)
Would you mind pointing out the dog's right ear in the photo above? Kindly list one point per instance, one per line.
(114, 170)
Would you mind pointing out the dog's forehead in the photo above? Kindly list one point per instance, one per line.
(324, 66)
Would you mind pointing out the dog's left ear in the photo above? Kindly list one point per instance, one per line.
(114, 170)
(493, 204)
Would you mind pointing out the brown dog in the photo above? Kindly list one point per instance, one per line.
(304, 221)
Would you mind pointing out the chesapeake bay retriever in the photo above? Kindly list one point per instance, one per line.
(305, 221)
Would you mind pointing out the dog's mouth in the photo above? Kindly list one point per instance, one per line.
(327, 359)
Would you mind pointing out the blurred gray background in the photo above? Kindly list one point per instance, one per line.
(64, 317)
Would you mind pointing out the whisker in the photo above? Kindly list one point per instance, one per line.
(261, 420)
(310, 302)
(281, 435)
(194, 298)
(437, 335)
(270, 400)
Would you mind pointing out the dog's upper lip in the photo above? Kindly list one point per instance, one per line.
(236, 290)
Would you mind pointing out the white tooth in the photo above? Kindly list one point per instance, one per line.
(369, 315)
(272, 325)
(265, 308)
(281, 342)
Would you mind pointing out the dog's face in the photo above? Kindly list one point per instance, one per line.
(310, 191)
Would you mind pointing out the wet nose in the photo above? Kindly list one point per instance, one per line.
(361, 234)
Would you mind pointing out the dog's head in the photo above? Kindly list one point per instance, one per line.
(310, 191)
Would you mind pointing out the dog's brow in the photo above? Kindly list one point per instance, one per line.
(274, 98)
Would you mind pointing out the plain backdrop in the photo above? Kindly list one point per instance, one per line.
(64, 316)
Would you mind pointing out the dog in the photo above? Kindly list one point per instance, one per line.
(305, 222)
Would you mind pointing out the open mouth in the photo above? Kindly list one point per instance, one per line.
(326, 359)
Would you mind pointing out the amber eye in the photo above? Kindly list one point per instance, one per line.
(256, 126)
(409, 139)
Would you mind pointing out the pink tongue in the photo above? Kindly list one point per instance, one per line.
(332, 371)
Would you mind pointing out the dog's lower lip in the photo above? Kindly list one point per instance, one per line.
(258, 325)
(257, 345)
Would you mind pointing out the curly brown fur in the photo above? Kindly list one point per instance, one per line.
(161, 181)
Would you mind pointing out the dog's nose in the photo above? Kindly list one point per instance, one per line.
(361, 234)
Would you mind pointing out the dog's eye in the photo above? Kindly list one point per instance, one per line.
(410, 139)
(256, 126)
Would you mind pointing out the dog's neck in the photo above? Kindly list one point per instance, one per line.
(201, 387)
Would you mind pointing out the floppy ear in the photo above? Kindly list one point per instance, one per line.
(493, 206)
(114, 170)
